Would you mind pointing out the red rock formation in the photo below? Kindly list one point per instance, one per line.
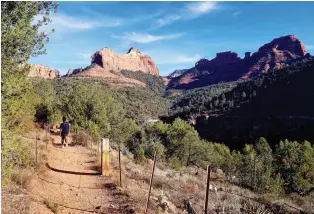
(166, 80)
(107, 64)
(43, 71)
(228, 66)
(134, 60)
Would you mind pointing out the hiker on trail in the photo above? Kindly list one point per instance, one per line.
(64, 131)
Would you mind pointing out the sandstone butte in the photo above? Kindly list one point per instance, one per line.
(228, 66)
(106, 64)
(107, 61)
(43, 71)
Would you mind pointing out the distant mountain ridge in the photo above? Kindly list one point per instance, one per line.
(228, 66)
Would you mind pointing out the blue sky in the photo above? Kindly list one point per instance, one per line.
(174, 34)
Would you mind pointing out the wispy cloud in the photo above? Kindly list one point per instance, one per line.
(189, 11)
(166, 20)
(64, 23)
(309, 47)
(236, 13)
(85, 55)
(71, 22)
(199, 8)
(145, 37)
(181, 58)
(162, 57)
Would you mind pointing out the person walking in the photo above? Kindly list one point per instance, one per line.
(64, 132)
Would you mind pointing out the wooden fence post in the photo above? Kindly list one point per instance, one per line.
(120, 177)
(46, 128)
(36, 160)
(151, 182)
(101, 156)
(105, 158)
(207, 189)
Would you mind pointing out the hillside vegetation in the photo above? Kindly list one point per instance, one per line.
(273, 166)
(277, 105)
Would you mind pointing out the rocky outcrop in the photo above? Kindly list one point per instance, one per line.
(134, 60)
(74, 71)
(96, 71)
(43, 71)
(177, 73)
(165, 80)
(108, 65)
(228, 66)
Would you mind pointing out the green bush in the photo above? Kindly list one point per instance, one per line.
(140, 155)
(15, 154)
(175, 163)
(151, 148)
(276, 185)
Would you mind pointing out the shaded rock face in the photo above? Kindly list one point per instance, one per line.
(134, 60)
(43, 71)
(228, 66)
(177, 73)
(73, 71)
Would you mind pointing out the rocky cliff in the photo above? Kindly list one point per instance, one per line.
(108, 65)
(228, 66)
(43, 71)
(106, 61)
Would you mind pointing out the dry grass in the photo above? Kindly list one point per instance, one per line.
(52, 206)
(81, 139)
(179, 186)
(14, 201)
(22, 177)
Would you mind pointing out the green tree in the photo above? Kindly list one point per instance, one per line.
(21, 37)
(295, 163)
(248, 169)
(184, 142)
(257, 165)
(47, 110)
(264, 162)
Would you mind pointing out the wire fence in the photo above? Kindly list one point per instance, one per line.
(169, 188)
(75, 162)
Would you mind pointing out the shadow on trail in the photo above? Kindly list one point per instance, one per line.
(71, 172)
(59, 145)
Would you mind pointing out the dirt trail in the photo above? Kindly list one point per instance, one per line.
(69, 182)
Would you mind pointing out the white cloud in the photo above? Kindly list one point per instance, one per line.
(190, 11)
(71, 22)
(63, 23)
(309, 47)
(162, 57)
(145, 37)
(167, 20)
(236, 13)
(85, 55)
(183, 59)
(200, 8)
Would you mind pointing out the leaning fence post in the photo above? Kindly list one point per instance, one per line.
(120, 179)
(36, 161)
(101, 156)
(150, 183)
(207, 189)
(46, 128)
